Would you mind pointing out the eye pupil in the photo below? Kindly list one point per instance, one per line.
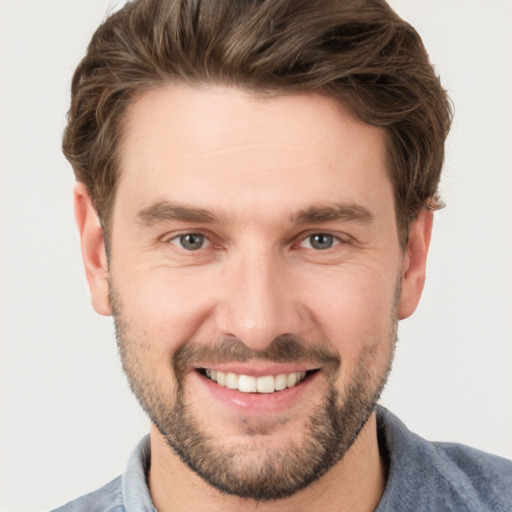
(191, 242)
(321, 241)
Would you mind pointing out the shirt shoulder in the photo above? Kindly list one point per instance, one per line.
(126, 493)
(426, 476)
(108, 498)
(487, 476)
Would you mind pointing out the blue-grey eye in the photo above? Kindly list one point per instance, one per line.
(191, 241)
(320, 241)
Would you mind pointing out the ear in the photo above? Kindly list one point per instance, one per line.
(93, 249)
(414, 263)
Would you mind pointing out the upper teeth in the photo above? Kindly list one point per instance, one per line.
(249, 384)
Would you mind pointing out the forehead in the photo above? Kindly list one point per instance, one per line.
(227, 148)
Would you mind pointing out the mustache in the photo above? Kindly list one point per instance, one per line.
(286, 348)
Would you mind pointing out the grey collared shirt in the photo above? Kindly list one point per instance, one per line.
(423, 476)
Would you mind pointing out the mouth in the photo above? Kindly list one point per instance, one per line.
(266, 384)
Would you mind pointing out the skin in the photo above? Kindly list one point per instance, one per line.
(256, 165)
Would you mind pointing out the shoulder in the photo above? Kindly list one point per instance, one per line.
(128, 492)
(441, 476)
(108, 498)
(487, 475)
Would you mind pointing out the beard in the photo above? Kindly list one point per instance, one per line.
(253, 469)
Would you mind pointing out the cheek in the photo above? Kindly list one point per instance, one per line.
(165, 306)
(355, 309)
(350, 305)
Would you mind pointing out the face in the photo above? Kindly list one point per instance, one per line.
(256, 280)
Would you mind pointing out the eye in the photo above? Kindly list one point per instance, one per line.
(319, 241)
(190, 241)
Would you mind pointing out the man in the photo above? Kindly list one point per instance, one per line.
(256, 187)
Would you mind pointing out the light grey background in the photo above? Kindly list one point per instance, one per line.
(68, 421)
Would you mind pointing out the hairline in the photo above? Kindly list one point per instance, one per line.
(257, 93)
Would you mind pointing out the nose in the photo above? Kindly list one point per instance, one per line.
(259, 300)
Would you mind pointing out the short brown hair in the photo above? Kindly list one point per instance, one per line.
(359, 52)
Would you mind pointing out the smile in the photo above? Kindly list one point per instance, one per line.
(250, 384)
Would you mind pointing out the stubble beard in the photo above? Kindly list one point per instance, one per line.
(275, 473)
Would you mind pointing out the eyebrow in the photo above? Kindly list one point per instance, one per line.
(345, 212)
(164, 211)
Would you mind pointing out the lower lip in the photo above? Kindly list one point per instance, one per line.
(275, 402)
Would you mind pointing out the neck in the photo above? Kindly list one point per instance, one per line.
(356, 483)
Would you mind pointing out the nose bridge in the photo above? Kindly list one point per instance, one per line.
(257, 305)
